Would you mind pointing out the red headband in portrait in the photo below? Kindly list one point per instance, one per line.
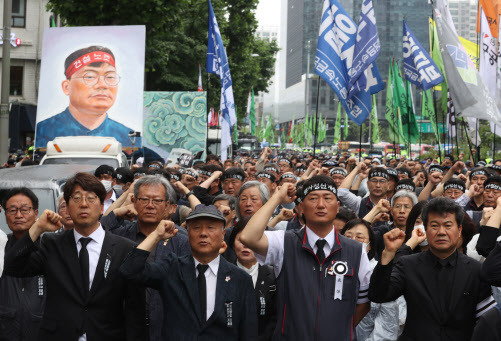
(89, 58)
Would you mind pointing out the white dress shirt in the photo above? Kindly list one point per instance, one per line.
(253, 271)
(211, 281)
(107, 203)
(94, 249)
(275, 257)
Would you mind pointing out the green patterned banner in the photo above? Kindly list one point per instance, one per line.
(175, 120)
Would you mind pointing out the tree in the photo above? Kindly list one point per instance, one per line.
(176, 41)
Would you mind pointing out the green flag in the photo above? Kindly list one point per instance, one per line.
(429, 112)
(412, 127)
(436, 55)
(337, 126)
(322, 127)
(374, 121)
(400, 102)
(52, 21)
(391, 112)
(251, 112)
(268, 134)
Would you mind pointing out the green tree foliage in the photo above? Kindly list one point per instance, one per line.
(176, 41)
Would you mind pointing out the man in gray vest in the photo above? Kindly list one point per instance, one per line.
(322, 276)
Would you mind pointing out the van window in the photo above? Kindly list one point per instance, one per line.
(46, 200)
(82, 160)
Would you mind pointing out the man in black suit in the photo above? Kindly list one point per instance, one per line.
(204, 296)
(86, 297)
(442, 287)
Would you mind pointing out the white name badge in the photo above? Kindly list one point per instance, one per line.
(338, 269)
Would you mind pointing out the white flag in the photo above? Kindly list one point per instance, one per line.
(249, 102)
(488, 59)
(473, 131)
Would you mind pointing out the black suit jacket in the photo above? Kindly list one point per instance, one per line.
(234, 316)
(413, 276)
(491, 268)
(110, 311)
(266, 291)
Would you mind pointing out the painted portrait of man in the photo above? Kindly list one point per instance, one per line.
(91, 84)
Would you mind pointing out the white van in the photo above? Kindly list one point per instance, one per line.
(90, 150)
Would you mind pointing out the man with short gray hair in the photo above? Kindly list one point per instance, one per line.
(154, 200)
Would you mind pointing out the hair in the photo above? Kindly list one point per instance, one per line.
(404, 194)
(239, 227)
(405, 170)
(105, 169)
(173, 171)
(153, 180)
(233, 171)
(272, 176)
(144, 170)
(212, 157)
(23, 191)
(274, 165)
(455, 181)
(232, 201)
(28, 163)
(212, 168)
(124, 175)
(468, 231)
(442, 206)
(372, 239)
(346, 214)
(79, 53)
(411, 219)
(161, 172)
(493, 179)
(319, 179)
(198, 164)
(264, 193)
(59, 198)
(88, 182)
(406, 182)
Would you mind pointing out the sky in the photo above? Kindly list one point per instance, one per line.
(268, 13)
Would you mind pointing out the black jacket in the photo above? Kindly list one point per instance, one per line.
(112, 310)
(22, 301)
(234, 316)
(491, 267)
(413, 276)
(266, 290)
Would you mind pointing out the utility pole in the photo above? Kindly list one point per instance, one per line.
(307, 80)
(4, 106)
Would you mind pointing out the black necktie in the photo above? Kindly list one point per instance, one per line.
(202, 289)
(320, 249)
(83, 257)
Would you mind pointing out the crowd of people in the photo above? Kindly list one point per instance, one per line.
(281, 246)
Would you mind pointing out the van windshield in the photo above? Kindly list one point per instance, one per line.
(82, 160)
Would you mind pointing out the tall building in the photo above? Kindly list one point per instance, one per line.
(267, 102)
(300, 25)
(464, 15)
(29, 19)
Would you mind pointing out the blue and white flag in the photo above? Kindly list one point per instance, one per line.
(367, 48)
(420, 69)
(217, 63)
(334, 62)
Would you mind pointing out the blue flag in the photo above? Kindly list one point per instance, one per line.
(420, 69)
(366, 50)
(217, 63)
(334, 62)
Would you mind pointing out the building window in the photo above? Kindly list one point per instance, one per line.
(18, 13)
(16, 80)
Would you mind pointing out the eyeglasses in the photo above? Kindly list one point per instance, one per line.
(23, 210)
(91, 78)
(77, 198)
(146, 201)
(375, 181)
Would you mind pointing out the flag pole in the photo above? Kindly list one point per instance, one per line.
(494, 144)
(316, 119)
(467, 136)
(207, 137)
(360, 144)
